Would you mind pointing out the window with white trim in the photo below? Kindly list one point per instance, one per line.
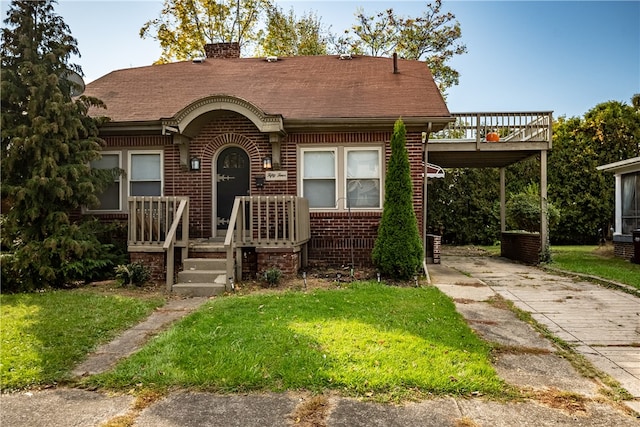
(630, 202)
(363, 178)
(319, 177)
(111, 198)
(145, 173)
(341, 177)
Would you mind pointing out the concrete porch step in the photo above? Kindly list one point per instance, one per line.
(201, 277)
(202, 264)
(199, 289)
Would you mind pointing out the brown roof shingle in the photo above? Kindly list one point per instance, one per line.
(307, 87)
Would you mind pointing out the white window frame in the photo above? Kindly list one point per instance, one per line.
(130, 154)
(336, 170)
(340, 151)
(120, 182)
(345, 193)
(635, 218)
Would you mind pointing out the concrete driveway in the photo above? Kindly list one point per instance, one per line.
(598, 322)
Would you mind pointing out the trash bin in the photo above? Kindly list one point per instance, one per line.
(636, 246)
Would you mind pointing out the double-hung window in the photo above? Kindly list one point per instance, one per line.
(110, 199)
(363, 178)
(341, 177)
(630, 202)
(319, 177)
(145, 173)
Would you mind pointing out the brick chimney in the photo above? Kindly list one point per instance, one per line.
(222, 50)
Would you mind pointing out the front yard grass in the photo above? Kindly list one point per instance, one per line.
(365, 339)
(43, 335)
(596, 261)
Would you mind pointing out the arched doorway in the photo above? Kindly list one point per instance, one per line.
(232, 179)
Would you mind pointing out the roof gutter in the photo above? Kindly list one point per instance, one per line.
(417, 124)
(153, 127)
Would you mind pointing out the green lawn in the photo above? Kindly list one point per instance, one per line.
(596, 261)
(368, 339)
(43, 335)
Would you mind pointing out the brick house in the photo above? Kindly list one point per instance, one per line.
(235, 165)
(627, 199)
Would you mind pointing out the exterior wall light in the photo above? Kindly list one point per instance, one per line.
(266, 163)
(195, 164)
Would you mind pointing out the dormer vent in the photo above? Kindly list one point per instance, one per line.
(345, 56)
(199, 60)
(271, 58)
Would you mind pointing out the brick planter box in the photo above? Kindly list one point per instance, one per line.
(521, 246)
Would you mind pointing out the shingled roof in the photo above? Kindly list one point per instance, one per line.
(296, 88)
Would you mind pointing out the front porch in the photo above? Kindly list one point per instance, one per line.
(263, 232)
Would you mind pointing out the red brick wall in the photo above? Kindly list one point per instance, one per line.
(332, 232)
(523, 247)
(136, 141)
(155, 261)
(623, 250)
(288, 262)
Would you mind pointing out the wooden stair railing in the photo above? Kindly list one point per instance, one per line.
(182, 216)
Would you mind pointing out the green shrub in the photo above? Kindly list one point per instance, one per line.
(272, 276)
(135, 273)
(82, 252)
(523, 210)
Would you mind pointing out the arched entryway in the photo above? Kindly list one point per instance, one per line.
(231, 179)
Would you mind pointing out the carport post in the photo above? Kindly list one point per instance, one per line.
(503, 201)
(544, 221)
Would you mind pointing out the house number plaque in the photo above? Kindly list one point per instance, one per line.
(275, 176)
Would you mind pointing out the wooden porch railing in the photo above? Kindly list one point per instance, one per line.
(159, 224)
(151, 217)
(265, 221)
(511, 127)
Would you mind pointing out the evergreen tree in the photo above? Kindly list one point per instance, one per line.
(48, 141)
(398, 249)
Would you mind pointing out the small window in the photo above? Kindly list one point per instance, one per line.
(145, 174)
(319, 178)
(110, 198)
(363, 178)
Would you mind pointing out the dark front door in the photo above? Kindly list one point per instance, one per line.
(232, 179)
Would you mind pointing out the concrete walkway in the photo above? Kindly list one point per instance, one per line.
(600, 323)
(107, 355)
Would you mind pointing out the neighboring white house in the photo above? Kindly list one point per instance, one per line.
(627, 219)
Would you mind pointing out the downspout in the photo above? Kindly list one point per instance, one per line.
(425, 142)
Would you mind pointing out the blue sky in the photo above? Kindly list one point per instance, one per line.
(561, 56)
